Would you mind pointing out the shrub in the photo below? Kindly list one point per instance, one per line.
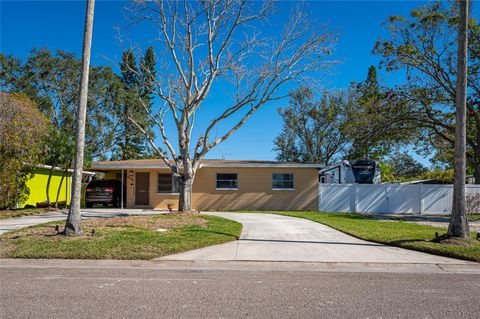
(22, 132)
(472, 202)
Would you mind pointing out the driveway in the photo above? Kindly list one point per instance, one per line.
(268, 237)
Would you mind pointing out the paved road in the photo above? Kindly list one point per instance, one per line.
(268, 237)
(59, 289)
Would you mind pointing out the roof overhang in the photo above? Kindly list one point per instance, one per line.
(119, 166)
(70, 170)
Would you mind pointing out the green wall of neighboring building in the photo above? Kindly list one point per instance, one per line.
(38, 185)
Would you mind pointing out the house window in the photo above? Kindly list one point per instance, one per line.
(165, 183)
(282, 181)
(227, 181)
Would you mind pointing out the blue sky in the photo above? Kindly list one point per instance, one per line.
(59, 24)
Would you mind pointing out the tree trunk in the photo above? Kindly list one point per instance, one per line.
(458, 226)
(60, 187)
(73, 223)
(185, 196)
(49, 180)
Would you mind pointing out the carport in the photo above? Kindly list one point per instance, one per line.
(119, 175)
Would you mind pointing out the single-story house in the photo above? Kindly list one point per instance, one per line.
(219, 184)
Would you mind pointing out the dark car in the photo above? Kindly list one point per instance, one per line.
(104, 192)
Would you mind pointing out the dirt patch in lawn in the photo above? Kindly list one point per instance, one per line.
(464, 242)
(141, 222)
(146, 222)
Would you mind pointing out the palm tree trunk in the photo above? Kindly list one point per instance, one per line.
(60, 187)
(73, 225)
(458, 226)
(49, 180)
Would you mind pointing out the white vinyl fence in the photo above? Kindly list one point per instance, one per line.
(388, 198)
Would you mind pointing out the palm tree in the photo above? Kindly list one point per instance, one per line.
(458, 226)
(73, 225)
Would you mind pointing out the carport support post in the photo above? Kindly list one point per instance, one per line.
(121, 193)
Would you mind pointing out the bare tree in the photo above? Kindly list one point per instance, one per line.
(73, 225)
(458, 226)
(207, 40)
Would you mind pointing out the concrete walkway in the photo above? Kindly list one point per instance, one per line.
(268, 237)
(11, 224)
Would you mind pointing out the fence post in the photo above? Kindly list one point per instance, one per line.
(420, 196)
(319, 197)
(353, 206)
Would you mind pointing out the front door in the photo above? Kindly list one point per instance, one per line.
(142, 181)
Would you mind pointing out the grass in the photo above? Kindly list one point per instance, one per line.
(22, 212)
(474, 216)
(133, 237)
(395, 233)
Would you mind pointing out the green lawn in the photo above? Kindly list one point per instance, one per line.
(22, 212)
(474, 216)
(133, 237)
(395, 233)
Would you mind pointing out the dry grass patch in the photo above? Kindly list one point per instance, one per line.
(146, 222)
(11, 213)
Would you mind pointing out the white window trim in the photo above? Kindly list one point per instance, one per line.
(283, 189)
(226, 189)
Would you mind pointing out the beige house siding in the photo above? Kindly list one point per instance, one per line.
(254, 190)
(157, 200)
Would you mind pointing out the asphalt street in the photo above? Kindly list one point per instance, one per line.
(114, 289)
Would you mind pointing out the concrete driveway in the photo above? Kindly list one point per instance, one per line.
(268, 237)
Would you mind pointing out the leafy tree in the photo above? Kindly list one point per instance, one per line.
(445, 176)
(136, 102)
(387, 172)
(379, 121)
(366, 122)
(23, 130)
(424, 47)
(405, 166)
(52, 81)
(313, 130)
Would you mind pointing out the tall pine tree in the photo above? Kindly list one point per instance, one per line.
(137, 83)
